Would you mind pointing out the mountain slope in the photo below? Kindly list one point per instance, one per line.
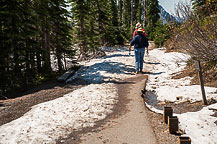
(165, 16)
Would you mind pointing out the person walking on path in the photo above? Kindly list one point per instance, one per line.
(138, 25)
(140, 42)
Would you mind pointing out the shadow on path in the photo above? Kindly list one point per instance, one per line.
(155, 63)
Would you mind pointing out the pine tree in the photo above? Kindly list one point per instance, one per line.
(127, 30)
(139, 12)
(120, 12)
(99, 21)
(43, 37)
(61, 30)
(30, 30)
(145, 12)
(93, 33)
(17, 30)
(112, 34)
(152, 17)
(33, 32)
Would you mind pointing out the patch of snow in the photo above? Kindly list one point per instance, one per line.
(184, 93)
(174, 90)
(200, 126)
(48, 121)
(82, 108)
(113, 67)
(55, 119)
(152, 108)
(54, 65)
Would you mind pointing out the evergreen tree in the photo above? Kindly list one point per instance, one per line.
(145, 12)
(161, 33)
(112, 33)
(61, 31)
(80, 15)
(139, 12)
(42, 8)
(152, 17)
(127, 30)
(30, 30)
(33, 32)
(17, 30)
(94, 34)
(99, 20)
(120, 12)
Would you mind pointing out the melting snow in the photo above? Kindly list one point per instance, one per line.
(51, 120)
(199, 125)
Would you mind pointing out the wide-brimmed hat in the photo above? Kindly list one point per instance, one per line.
(138, 25)
(140, 30)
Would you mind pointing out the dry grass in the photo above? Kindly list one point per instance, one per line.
(209, 76)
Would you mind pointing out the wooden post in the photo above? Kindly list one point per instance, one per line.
(184, 140)
(173, 124)
(167, 111)
(198, 68)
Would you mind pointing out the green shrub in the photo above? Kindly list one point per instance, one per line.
(161, 33)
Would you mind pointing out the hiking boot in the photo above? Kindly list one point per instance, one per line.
(137, 72)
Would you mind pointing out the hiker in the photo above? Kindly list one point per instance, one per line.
(138, 25)
(140, 42)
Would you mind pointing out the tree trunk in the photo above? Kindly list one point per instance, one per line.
(145, 11)
(46, 52)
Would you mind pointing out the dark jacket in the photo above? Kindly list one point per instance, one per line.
(139, 41)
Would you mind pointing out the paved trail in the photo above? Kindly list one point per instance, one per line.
(130, 128)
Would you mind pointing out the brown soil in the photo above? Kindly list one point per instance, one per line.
(209, 76)
(160, 129)
(12, 109)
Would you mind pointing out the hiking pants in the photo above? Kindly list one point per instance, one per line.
(139, 57)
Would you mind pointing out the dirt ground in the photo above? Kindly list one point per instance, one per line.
(131, 127)
(12, 109)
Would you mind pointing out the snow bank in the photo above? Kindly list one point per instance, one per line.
(114, 67)
(55, 119)
(48, 121)
(200, 126)
(174, 90)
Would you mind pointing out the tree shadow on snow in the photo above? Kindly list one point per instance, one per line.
(100, 73)
(85, 75)
(155, 63)
(116, 55)
(158, 73)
